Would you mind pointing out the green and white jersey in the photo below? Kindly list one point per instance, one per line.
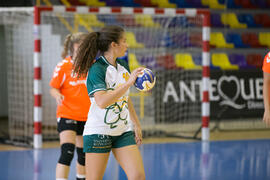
(114, 120)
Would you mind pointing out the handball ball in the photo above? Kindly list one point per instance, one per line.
(145, 81)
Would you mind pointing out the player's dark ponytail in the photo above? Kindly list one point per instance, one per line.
(86, 54)
(94, 43)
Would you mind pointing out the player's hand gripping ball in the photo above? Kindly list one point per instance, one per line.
(145, 81)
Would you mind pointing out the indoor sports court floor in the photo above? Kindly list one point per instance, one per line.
(227, 159)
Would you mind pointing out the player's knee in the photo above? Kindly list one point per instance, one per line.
(67, 153)
(81, 156)
(140, 176)
(137, 175)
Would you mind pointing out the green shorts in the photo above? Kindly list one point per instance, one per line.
(98, 143)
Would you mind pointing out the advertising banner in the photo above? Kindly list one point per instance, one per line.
(233, 94)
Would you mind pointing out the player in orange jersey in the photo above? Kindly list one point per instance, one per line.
(72, 108)
(266, 88)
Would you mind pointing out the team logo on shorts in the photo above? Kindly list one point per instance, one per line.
(69, 121)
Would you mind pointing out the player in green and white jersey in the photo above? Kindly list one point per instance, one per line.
(112, 122)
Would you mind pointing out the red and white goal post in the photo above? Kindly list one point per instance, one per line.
(162, 39)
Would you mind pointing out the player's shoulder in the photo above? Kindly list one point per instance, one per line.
(266, 63)
(64, 63)
(98, 67)
(100, 64)
(267, 57)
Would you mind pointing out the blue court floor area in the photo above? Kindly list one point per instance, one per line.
(218, 160)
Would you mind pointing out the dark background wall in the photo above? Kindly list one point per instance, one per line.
(9, 3)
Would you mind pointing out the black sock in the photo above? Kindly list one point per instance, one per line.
(80, 178)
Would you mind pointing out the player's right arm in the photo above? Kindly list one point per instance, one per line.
(266, 97)
(57, 95)
(266, 88)
(56, 83)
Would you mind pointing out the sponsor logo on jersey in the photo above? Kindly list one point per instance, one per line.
(78, 82)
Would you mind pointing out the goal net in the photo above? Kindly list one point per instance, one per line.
(173, 43)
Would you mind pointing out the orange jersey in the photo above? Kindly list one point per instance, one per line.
(266, 63)
(76, 101)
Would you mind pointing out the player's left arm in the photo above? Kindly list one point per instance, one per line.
(137, 125)
(266, 97)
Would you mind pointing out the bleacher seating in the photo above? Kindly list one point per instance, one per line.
(128, 20)
(95, 3)
(180, 21)
(145, 20)
(166, 61)
(150, 62)
(133, 62)
(251, 39)
(195, 40)
(113, 3)
(255, 60)
(132, 42)
(262, 19)
(110, 20)
(216, 20)
(221, 60)
(240, 60)
(183, 3)
(168, 41)
(248, 19)
(247, 4)
(129, 3)
(194, 3)
(231, 20)
(231, 4)
(164, 3)
(197, 58)
(262, 3)
(145, 3)
(217, 40)
(75, 3)
(90, 19)
(154, 39)
(180, 39)
(236, 40)
(233, 28)
(264, 39)
(213, 4)
(185, 61)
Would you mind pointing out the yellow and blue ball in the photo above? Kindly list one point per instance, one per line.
(145, 81)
